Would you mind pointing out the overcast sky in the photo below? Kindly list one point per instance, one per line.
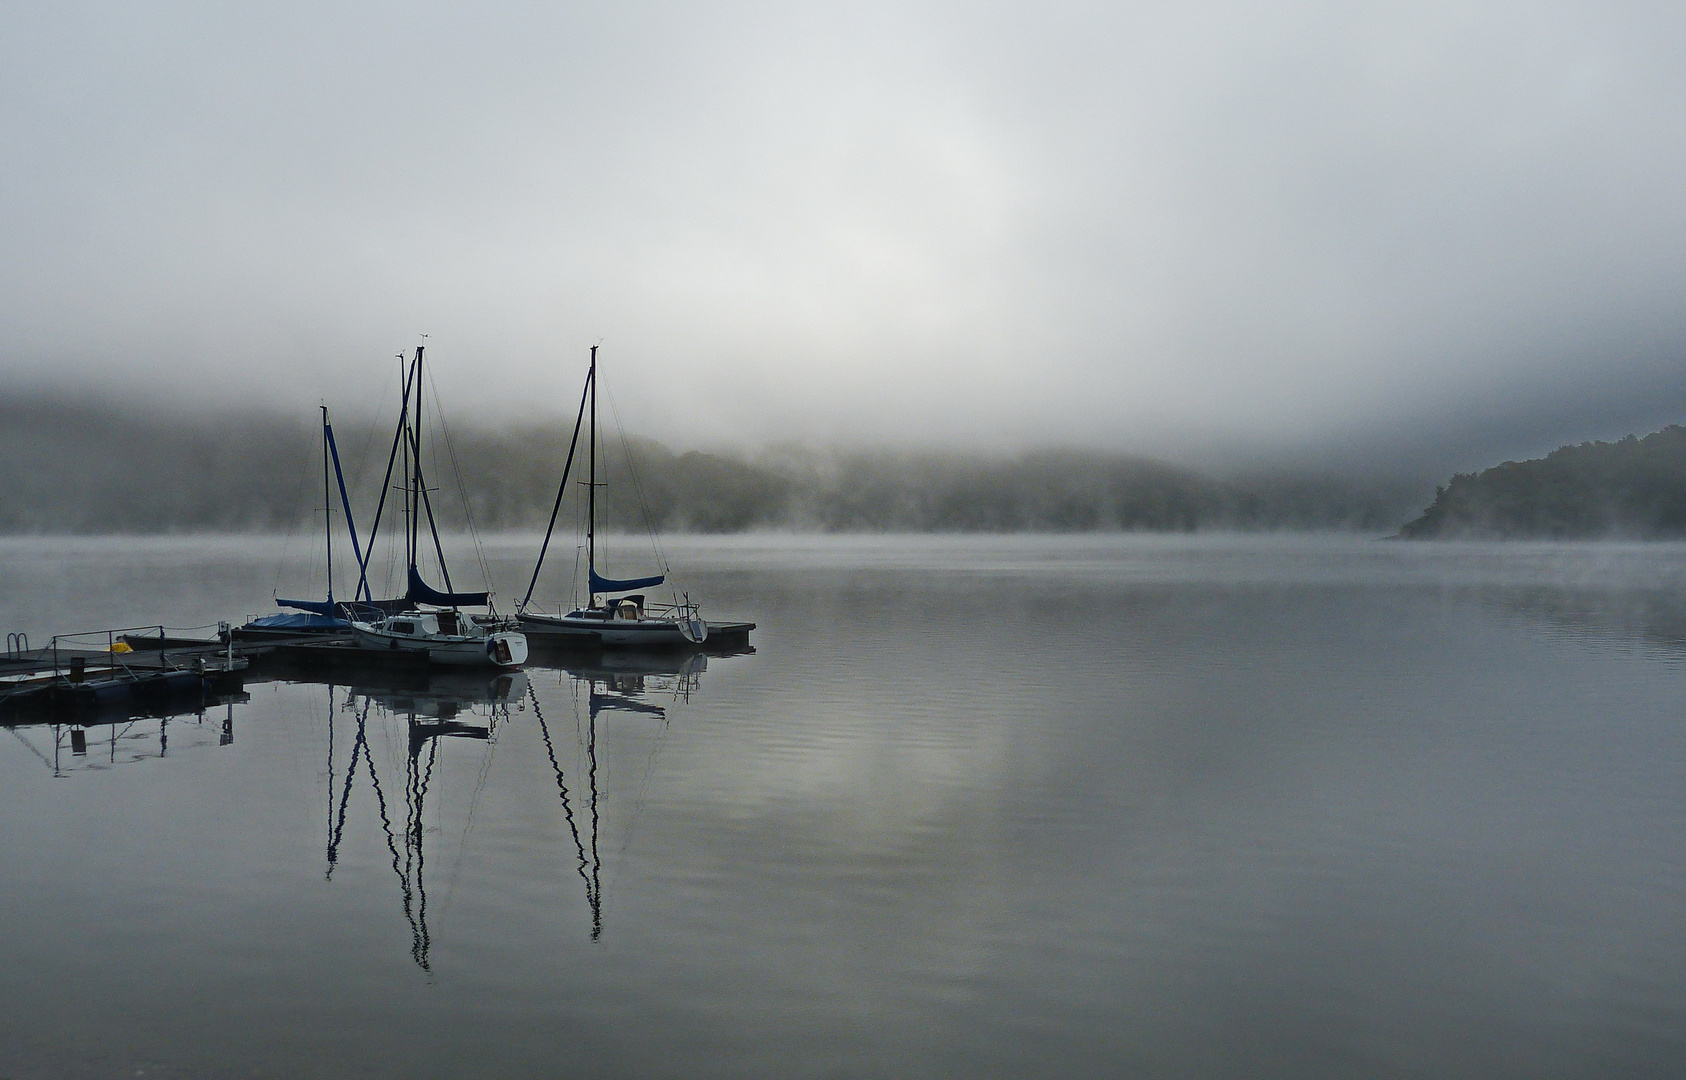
(1327, 227)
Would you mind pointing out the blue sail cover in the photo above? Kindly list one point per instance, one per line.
(423, 593)
(599, 583)
(303, 623)
(325, 608)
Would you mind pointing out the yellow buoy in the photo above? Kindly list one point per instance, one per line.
(121, 646)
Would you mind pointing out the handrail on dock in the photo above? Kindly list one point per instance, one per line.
(114, 660)
(17, 645)
(111, 635)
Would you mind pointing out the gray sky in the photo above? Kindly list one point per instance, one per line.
(1320, 227)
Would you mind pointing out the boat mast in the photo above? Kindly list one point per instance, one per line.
(591, 488)
(561, 491)
(327, 507)
(403, 436)
(415, 473)
(345, 501)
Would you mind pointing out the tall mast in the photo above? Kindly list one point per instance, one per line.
(403, 437)
(327, 506)
(416, 472)
(561, 492)
(591, 485)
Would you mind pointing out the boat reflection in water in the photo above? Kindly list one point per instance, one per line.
(626, 679)
(446, 705)
(476, 709)
(627, 673)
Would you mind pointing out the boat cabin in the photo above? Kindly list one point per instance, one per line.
(430, 624)
(413, 624)
(625, 607)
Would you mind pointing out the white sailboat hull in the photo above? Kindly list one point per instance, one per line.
(497, 650)
(626, 633)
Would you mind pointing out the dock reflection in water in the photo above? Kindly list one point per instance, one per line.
(103, 739)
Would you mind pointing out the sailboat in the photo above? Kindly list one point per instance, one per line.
(315, 618)
(617, 613)
(440, 630)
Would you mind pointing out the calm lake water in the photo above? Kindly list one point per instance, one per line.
(975, 807)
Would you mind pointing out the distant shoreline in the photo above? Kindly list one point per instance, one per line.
(1631, 489)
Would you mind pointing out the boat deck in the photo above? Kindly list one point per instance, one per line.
(721, 635)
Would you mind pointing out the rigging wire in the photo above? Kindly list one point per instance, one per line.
(642, 800)
(473, 805)
(292, 534)
(637, 486)
(398, 442)
(360, 474)
(462, 489)
(561, 491)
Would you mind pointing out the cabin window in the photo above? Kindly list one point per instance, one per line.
(403, 628)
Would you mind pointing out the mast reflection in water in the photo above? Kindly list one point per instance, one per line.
(429, 714)
(472, 708)
(623, 689)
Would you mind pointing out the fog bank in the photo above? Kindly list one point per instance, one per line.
(83, 468)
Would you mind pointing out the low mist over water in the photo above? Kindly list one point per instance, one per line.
(98, 468)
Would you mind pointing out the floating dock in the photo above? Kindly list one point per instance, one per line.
(147, 666)
(138, 665)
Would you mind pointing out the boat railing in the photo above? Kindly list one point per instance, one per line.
(678, 609)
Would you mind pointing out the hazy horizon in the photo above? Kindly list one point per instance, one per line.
(1390, 452)
(1407, 240)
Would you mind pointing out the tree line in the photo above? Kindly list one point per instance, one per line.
(96, 469)
(1633, 487)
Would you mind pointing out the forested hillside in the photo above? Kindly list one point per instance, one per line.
(1632, 487)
